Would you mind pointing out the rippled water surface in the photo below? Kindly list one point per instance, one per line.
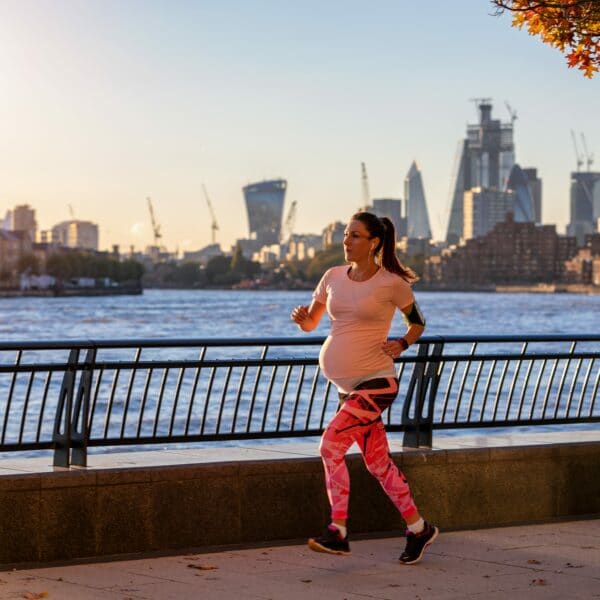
(214, 313)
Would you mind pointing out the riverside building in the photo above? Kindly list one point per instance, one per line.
(585, 204)
(22, 218)
(511, 253)
(76, 234)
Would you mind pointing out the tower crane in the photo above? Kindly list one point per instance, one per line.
(290, 219)
(214, 225)
(155, 226)
(589, 158)
(577, 155)
(511, 112)
(71, 212)
(366, 196)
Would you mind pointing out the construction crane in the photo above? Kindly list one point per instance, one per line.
(214, 225)
(577, 155)
(589, 158)
(290, 220)
(155, 226)
(511, 112)
(366, 196)
(71, 212)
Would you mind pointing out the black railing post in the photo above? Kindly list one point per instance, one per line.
(418, 429)
(81, 412)
(61, 436)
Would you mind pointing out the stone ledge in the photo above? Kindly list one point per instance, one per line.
(79, 514)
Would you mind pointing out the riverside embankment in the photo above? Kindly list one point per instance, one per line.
(177, 500)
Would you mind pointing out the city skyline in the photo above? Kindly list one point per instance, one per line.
(107, 104)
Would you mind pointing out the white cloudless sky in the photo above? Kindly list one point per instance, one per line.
(104, 103)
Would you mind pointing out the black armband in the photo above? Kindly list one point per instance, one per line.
(414, 316)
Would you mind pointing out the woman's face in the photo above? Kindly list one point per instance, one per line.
(357, 241)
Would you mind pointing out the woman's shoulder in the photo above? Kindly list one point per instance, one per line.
(337, 271)
(395, 279)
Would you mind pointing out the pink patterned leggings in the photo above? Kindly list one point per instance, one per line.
(359, 420)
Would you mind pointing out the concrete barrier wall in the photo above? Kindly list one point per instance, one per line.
(83, 514)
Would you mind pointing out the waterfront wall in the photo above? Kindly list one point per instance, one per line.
(90, 514)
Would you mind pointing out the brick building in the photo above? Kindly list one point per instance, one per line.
(511, 253)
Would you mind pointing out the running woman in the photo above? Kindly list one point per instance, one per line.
(359, 360)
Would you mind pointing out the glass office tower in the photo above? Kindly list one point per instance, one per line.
(486, 158)
(264, 203)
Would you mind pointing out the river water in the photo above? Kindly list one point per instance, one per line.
(243, 314)
(213, 314)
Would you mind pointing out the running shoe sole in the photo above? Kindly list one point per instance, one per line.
(418, 559)
(314, 545)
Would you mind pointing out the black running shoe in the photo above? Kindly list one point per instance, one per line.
(417, 543)
(331, 542)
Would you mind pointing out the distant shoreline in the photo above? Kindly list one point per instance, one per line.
(70, 292)
(541, 288)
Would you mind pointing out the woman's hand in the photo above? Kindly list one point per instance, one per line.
(308, 317)
(300, 315)
(392, 348)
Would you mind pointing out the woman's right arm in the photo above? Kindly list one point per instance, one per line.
(308, 317)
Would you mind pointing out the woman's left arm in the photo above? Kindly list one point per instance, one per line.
(415, 323)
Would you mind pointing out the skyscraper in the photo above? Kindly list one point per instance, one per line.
(535, 189)
(486, 157)
(417, 218)
(483, 208)
(23, 219)
(264, 203)
(523, 208)
(392, 209)
(585, 204)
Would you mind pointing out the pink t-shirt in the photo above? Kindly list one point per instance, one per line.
(361, 316)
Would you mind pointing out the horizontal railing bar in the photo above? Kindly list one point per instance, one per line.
(287, 341)
(515, 423)
(280, 395)
(206, 437)
(10, 447)
(254, 362)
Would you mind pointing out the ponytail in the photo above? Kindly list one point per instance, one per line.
(384, 229)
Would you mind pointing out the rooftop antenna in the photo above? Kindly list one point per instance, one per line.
(577, 155)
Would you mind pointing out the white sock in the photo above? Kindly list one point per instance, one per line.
(418, 526)
(341, 528)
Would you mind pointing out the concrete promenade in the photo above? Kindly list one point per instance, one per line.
(558, 560)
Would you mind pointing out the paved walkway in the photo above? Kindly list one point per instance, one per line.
(560, 560)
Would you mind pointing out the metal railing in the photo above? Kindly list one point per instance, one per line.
(72, 395)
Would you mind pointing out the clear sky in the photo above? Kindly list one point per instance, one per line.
(106, 102)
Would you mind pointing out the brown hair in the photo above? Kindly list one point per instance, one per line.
(383, 229)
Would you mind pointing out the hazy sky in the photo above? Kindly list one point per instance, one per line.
(104, 103)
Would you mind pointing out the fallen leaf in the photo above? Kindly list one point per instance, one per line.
(203, 567)
(538, 582)
(306, 580)
(34, 596)
(532, 561)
